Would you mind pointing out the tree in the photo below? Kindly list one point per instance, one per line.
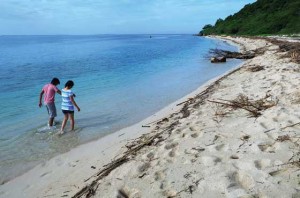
(260, 17)
(207, 26)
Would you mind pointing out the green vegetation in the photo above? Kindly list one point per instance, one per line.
(260, 18)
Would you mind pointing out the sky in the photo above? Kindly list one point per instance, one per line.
(81, 17)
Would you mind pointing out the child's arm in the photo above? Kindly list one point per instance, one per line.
(74, 103)
(58, 91)
(41, 95)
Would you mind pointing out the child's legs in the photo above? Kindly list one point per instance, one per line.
(72, 121)
(52, 112)
(66, 117)
(51, 120)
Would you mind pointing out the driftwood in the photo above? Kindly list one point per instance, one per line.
(159, 121)
(292, 49)
(221, 59)
(290, 125)
(283, 138)
(254, 107)
(282, 128)
(185, 111)
(188, 100)
(255, 68)
(229, 54)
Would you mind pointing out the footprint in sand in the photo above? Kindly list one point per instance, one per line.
(296, 195)
(222, 147)
(173, 152)
(262, 164)
(149, 156)
(178, 131)
(195, 135)
(269, 146)
(165, 184)
(128, 192)
(144, 167)
(171, 145)
(194, 151)
(159, 175)
(210, 160)
(244, 180)
(170, 193)
(275, 119)
(72, 164)
(194, 128)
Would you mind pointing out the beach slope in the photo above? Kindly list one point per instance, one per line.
(236, 136)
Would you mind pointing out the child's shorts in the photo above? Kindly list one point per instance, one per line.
(51, 110)
(67, 112)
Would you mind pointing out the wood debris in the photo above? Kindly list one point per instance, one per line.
(255, 68)
(229, 54)
(254, 107)
(283, 138)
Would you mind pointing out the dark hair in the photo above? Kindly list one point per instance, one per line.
(55, 81)
(69, 84)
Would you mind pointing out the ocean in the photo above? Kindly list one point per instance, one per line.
(119, 80)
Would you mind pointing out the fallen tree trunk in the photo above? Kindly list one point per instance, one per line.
(229, 54)
(218, 59)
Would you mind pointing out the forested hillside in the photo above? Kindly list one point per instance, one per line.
(261, 17)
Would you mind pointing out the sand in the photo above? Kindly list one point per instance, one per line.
(204, 149)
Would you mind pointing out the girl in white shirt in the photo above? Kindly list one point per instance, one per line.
(67, 105)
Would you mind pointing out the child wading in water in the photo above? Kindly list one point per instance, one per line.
(67, 105)
(49, 91)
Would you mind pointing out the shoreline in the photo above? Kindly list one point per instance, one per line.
(66, 173)
(110, 144)
(123, 105)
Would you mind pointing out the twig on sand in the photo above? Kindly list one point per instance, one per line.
(156, 121)
(190, 188)
(255, 113)
(254, 107)
(290, 126)
(255, 68)
(188, 100)
(283, 138)
(267, 131)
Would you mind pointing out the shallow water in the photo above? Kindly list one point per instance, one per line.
(119, 80)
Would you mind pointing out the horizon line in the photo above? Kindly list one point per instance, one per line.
(97, 34)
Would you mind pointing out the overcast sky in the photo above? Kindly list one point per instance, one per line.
(112, 16)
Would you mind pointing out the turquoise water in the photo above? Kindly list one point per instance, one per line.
(119, 80)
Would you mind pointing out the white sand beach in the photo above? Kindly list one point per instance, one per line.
(208, 146)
